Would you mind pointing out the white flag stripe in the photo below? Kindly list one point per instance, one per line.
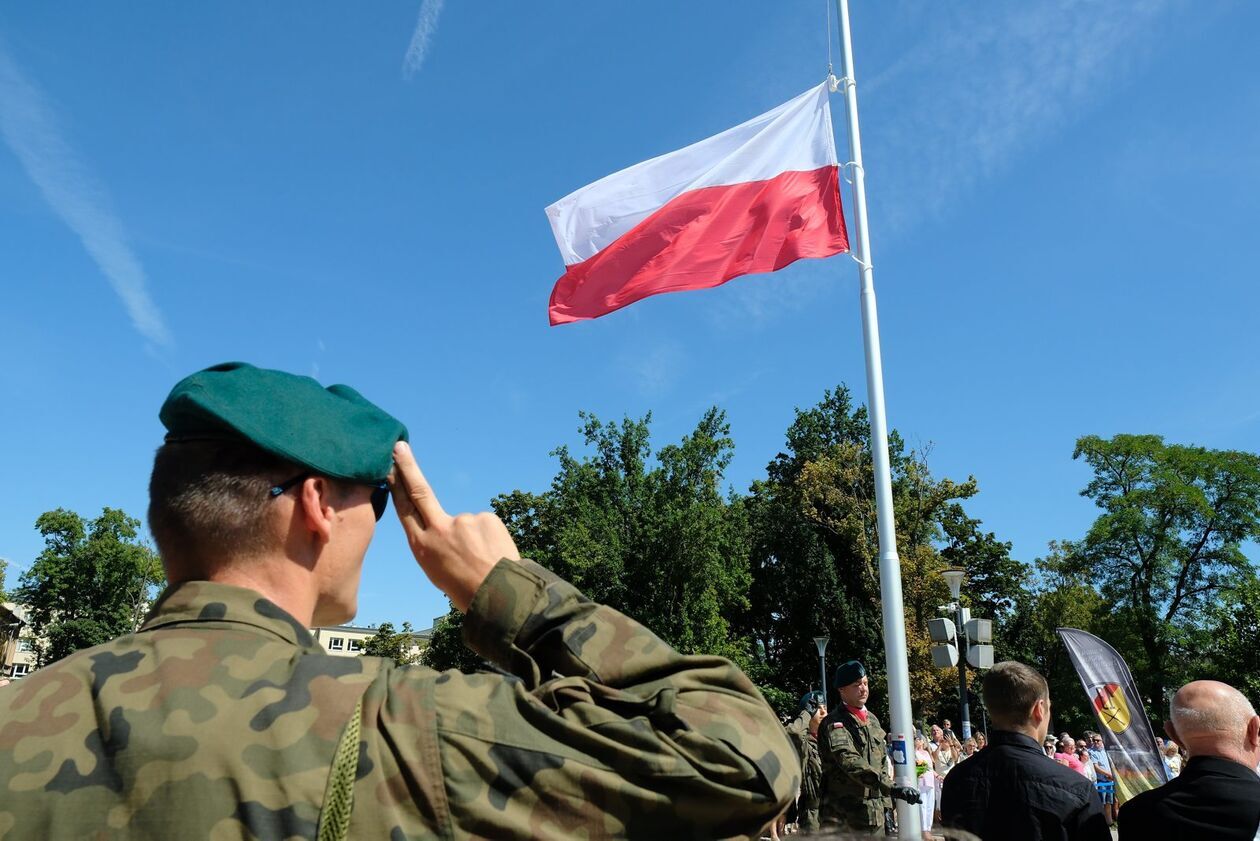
(795, 137)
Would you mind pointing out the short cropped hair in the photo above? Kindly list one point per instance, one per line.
(1009, 690)
(1225, 717)
(208, 499)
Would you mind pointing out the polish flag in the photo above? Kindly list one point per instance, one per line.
(751, 199)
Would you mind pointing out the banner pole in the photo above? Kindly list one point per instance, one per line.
(901, 727)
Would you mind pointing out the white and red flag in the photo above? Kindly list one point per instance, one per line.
(751, 199)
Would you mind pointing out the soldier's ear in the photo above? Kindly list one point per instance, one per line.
(314, 502)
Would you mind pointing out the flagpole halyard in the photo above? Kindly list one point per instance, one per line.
(901, 725)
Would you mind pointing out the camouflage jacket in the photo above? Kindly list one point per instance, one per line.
(807, 751)
(220, 717)
(855, 770)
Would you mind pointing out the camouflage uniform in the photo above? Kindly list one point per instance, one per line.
(220, 717)
(855, 771)
(811, 770)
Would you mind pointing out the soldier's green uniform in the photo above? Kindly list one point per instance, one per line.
(220, 719)
(811, 768)
(856, 783)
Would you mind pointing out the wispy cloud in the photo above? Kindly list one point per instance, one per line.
(761, 301)
(653, 370)
(30, 129)
(989, 83)
(320, 347)
(426, 25)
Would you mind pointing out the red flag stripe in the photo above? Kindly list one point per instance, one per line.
(706, 237)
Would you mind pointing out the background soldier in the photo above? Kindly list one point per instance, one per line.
(222, 718)
(854, 754)
(804, 733)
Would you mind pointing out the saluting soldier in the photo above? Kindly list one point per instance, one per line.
(804, 732)
(854, 753)
(223, 719)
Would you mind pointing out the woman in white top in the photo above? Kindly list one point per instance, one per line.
(1172, 758)
(948, 753)
(928, 784)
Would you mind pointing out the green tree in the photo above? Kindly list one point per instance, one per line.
(446, 648)
(811, 552)
(756, 577)
(653, 537)
(815, 552)
(1235, 647)
(92, 582)
(1062, 596)
(1168, 546)
(998, 587)
(4, 567)
(656, 540)
(396, 645)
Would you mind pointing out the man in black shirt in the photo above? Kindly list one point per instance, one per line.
(1217, 794)
(1012, 790)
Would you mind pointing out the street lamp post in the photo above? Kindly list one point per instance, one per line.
(821, 642)
(954, 578)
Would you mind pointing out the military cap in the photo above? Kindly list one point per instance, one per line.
(850, 672)
(334, 431)
(812, 700)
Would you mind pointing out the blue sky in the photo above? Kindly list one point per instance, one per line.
(1062, 200)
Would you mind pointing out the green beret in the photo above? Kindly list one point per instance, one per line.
(847, 673)
(334, 431)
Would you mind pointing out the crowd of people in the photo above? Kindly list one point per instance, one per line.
(1021, 782)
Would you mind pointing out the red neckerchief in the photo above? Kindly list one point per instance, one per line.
(858, 712)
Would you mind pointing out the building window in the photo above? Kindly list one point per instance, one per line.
(356, 645)
(336, 643)
(25, 645)
(21, 669)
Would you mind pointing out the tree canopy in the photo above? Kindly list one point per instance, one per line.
(753, 577)
(396, 645)
(93, 581)
(1166, 553)
(654, 538)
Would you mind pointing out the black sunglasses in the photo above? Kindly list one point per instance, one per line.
(380, 493)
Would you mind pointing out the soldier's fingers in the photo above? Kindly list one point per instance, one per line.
(410, 487)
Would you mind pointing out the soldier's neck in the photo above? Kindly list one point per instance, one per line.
(288, 585)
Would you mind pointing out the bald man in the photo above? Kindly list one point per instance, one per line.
(1217, 794)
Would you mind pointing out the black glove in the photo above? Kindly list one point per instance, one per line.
(910, 795)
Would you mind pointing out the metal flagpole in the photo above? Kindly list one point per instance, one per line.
(901, 731)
